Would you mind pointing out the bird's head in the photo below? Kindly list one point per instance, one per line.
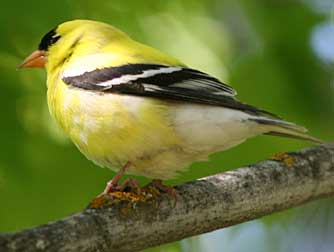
(72, 39)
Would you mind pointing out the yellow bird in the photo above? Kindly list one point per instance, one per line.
(136, 110)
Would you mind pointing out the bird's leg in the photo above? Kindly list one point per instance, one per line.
(170, 190)
(112, 185)
(130, 191)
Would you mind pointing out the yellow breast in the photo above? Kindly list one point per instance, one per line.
(112, 129)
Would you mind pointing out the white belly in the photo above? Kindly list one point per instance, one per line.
(210, 129)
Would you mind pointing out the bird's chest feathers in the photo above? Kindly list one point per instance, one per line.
(110, 125)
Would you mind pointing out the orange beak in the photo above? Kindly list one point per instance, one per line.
(36, 59)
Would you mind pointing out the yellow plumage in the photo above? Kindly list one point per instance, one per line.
(159, 136)
(110, 129)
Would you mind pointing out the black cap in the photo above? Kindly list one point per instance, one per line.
(49, 39)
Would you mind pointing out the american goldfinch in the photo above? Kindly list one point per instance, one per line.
(136, 110)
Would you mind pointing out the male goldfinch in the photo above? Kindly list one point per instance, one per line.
(136, 110)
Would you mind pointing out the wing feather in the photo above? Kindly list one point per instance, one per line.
(164, 82)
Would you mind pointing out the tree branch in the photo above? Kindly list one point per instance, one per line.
(204, 205)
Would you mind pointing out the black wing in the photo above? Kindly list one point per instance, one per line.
(164, 82)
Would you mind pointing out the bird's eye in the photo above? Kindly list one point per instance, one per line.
(49, 39)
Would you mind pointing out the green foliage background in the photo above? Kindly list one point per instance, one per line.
(262, 48)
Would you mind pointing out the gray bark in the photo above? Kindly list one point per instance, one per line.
(203, 205)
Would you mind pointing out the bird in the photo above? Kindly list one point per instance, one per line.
(136, 110)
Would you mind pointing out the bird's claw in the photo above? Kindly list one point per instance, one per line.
(131, 185)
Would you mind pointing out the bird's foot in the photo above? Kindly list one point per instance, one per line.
(129, 192)
(114, 186)
(160, 187)
(130, 185)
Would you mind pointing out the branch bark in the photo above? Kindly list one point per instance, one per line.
(203, 205)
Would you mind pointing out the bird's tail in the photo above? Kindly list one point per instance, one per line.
(277, 127)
